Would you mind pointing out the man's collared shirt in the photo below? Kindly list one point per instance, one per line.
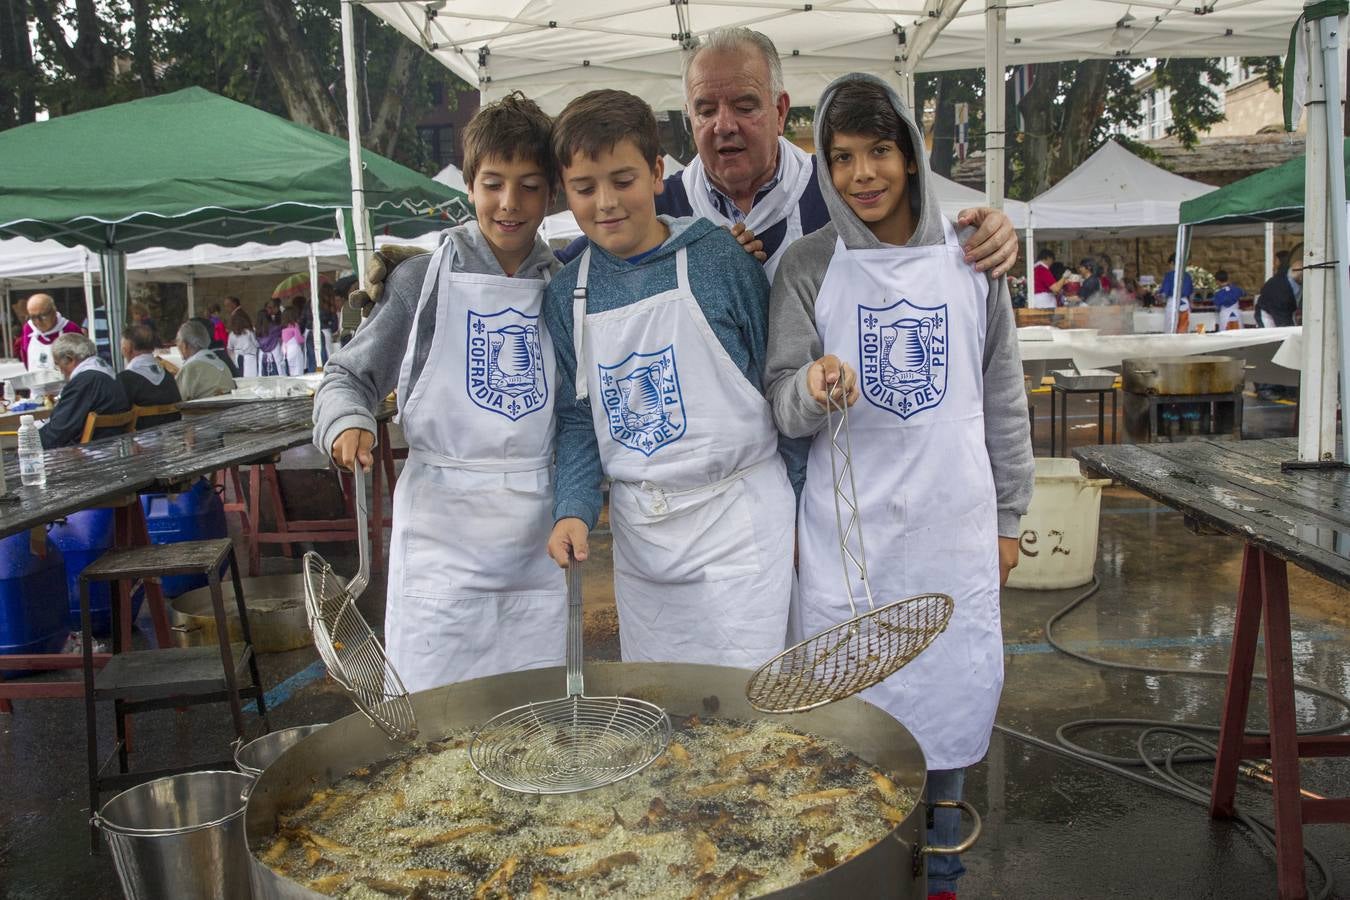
(727, 207)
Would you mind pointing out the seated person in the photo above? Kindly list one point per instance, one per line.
(203, 374)
(91, 386)
(144, 379)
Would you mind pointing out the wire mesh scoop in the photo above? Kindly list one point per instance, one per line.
(346, 643)
(574, 743)
(865, 650)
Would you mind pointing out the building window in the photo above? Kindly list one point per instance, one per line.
(437, 90)
(440, 141)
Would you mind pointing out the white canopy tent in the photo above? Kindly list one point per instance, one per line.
(554, 50)
(451, 177)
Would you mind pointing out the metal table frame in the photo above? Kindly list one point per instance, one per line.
(1061, 393)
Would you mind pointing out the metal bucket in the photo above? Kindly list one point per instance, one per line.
(258, 754)
(181, 836)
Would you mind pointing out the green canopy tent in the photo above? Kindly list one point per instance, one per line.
(1275, 195)
(190, 168)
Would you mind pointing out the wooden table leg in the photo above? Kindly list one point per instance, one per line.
(254, 519)
(1237, 697)
(1283, 730)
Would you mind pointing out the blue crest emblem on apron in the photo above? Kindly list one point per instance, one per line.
(504, 363)
(902, 349)
(643, 401)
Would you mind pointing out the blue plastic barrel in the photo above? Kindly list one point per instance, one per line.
(83, 537)
(194, 515)
(33, 597)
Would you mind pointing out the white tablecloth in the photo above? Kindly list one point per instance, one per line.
(1270, 350)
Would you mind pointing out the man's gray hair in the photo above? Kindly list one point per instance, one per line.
(731, 40)
(73, 346)
(195, 335)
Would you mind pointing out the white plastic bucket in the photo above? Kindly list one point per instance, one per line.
(1059, 532)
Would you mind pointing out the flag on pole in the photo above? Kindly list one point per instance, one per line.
(962, 128)
(1023, 77)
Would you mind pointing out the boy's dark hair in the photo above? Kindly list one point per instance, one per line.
(142, 338)
(512, 128)
(595, 122)
(863, 107)
(1044, 254)
(1221, 275)
(1172, 257)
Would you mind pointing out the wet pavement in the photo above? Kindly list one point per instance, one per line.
(1054, 826)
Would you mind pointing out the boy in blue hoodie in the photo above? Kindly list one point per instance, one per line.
(660, 331)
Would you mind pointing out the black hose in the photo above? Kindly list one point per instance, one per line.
(1193, 748)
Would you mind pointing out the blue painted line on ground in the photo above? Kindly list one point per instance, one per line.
(284, 691)
(1153, 643)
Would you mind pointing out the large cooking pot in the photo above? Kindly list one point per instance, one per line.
(276, 615)
(1182, 376)
(895, 867)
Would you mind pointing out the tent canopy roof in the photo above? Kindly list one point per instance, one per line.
(1114, 190)
(1275, 195)
(192, 167)
(554, 51)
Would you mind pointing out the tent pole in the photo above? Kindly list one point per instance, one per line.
(360, 226)
(1172, 311)
(1317, 405)
(1329, 29)
(1270, 250)
(996, 21)
(9, 328)
(88, 276)
(112, 266)
(315, 321)
(1030, 260)
(192, 293)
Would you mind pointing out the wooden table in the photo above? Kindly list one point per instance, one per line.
(1300, 516)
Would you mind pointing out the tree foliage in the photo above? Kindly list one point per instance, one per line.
(283, 56)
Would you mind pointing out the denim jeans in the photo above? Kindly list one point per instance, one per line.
(944, 871)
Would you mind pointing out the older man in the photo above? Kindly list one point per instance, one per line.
(91, 386)
(203, 374)
(144, 379)
(43, 327)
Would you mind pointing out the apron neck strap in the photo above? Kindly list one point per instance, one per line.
(682, 269)
(579, 325)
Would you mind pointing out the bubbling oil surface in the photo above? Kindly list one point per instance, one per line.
(733, 809)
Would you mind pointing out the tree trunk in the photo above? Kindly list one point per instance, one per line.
(89, 60)
(388, 120)
(1039, 132)
(142, 47)
(1083, 108)
(18, 77)
(297, 77)
(944, 128)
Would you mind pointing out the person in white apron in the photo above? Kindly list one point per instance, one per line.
(885, 305)
(659, 391)
(471, 591)
(243, 344)
(1044, 289)
(45, 324)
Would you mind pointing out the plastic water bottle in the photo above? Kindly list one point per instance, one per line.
(32, 465)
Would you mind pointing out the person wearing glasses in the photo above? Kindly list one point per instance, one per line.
(43, 327)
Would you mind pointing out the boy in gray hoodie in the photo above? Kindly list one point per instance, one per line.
(879, 309)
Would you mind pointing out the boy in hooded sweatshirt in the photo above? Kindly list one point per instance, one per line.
(879, 308)
(660, 334)
(470, 591)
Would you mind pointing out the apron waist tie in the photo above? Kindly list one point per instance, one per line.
(441, 461)
(659, 498)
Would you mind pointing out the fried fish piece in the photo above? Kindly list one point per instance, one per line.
(564, 849)
(730, 884)
(731, 761)
(434, 874)
(324, 843)
(891, 814)
(717, 787)
(328, 883)
(594, 829)
(599, 868)
(884, 784)
(705, 853)
(538, 889)
(275, 852)
(816, 813)
(385, 886)
(496, 884)
(827, 794)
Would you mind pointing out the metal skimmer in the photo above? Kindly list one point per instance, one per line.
(353, 655)
(574, 743)
(865, 650)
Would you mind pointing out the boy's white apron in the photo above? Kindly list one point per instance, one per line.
(911, 321)
(472, 591)
(700, 505)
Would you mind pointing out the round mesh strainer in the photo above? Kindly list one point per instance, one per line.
(346, 643)
(868, 648)
(576, 742)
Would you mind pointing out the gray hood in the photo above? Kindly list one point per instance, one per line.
(475, 253)
(922, 198)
